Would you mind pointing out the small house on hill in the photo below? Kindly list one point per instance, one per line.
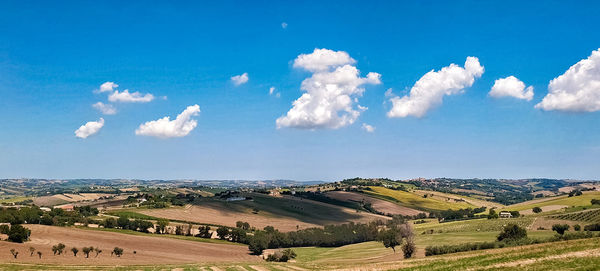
(505, 214)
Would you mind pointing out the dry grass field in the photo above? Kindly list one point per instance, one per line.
(378, 204)
(149, 249)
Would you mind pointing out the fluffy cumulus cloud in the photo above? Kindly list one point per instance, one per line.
(511, 87)
(126, 97)
(107, 87)
(330, 93)
(166, 128)
(89, 128)
(368, 128)
(577, 90)
(106, 109)
(323, 60)
(240, 79)
(428, 92)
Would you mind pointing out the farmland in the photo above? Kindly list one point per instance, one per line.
(284, 213)
(415, 201)
(560, 201)
(378, 204)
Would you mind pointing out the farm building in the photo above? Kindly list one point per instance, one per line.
(505, 214)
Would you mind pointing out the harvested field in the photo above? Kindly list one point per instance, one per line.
(378, 204)
(149, 250)
(59, 199)
(457, 198)
(283, 213)
(546, 208)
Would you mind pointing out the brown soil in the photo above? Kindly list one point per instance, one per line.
(149, 250)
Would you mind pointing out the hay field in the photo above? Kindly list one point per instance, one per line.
(149, 249)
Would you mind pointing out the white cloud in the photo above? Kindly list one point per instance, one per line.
(284, 25)
(368, 128)
(429, 91)
(126, 97)
(89, 128)
(322, 60)
(330, 93)
(107, 87)
(240, 79)
(577, 90)
(166, 128)
(511, 87)
(106, 109)
(271, 90)
(388, 93)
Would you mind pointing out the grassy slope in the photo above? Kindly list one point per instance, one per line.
(583, 200)
(415, 201)
(474, 225)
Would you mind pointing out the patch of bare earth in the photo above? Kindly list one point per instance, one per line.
(547, 208)
(378, 204)
(149, 250)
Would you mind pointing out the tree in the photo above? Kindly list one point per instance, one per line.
(4, 229)
(18, 234)
(492, 214)
(512, 232)
(39, 253)
(58, 248)
(223, 233)
(560, 228)
(390, 238)
(14, 252)
(537, 210)
(409, 248)
(109, 223)
(595, 201)
(242, 225)
(258, 242)
(204, 232)
(75, 251)
(577, 227)
(179, 230)
(87, 250)
(515, 213)
(31, 251)
(123, 222)
(118, 251)
(161, 225)
(237, 235)
(98, 251)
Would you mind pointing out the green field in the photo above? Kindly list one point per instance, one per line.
(412, 200)
(589, 216)
(583, 200)
(473, 225)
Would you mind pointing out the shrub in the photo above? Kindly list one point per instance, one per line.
(577, 227)
(4, 229)
(282, 256)
(408, 248)
(592, 227)
(118, 251)
(512, 232)
(39, 253)
(18, 234)
(537, 210)
(595, 201)
(560, 228)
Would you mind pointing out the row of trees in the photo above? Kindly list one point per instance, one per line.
(57, 216)
(59, 249)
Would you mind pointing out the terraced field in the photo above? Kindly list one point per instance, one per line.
(590, 216)
(562, 201)
(415, 201)
(474, 225)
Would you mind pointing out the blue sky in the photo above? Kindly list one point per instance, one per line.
(53, 56)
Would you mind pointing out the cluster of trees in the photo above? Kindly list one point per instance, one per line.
(237, 235)
(56, 217)
(329, 236)
(595, 201)
(16, 233)
(575, 193)
(452, 215)
(125, 223)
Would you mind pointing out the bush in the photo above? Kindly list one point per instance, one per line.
(560, 228)
(595, 201)
(512, 232)
(592, 227)
(282, 256)
(408, 248)
(118, 251)
(4, 229)
(18, 234)
(577, 227)
(537, 210)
